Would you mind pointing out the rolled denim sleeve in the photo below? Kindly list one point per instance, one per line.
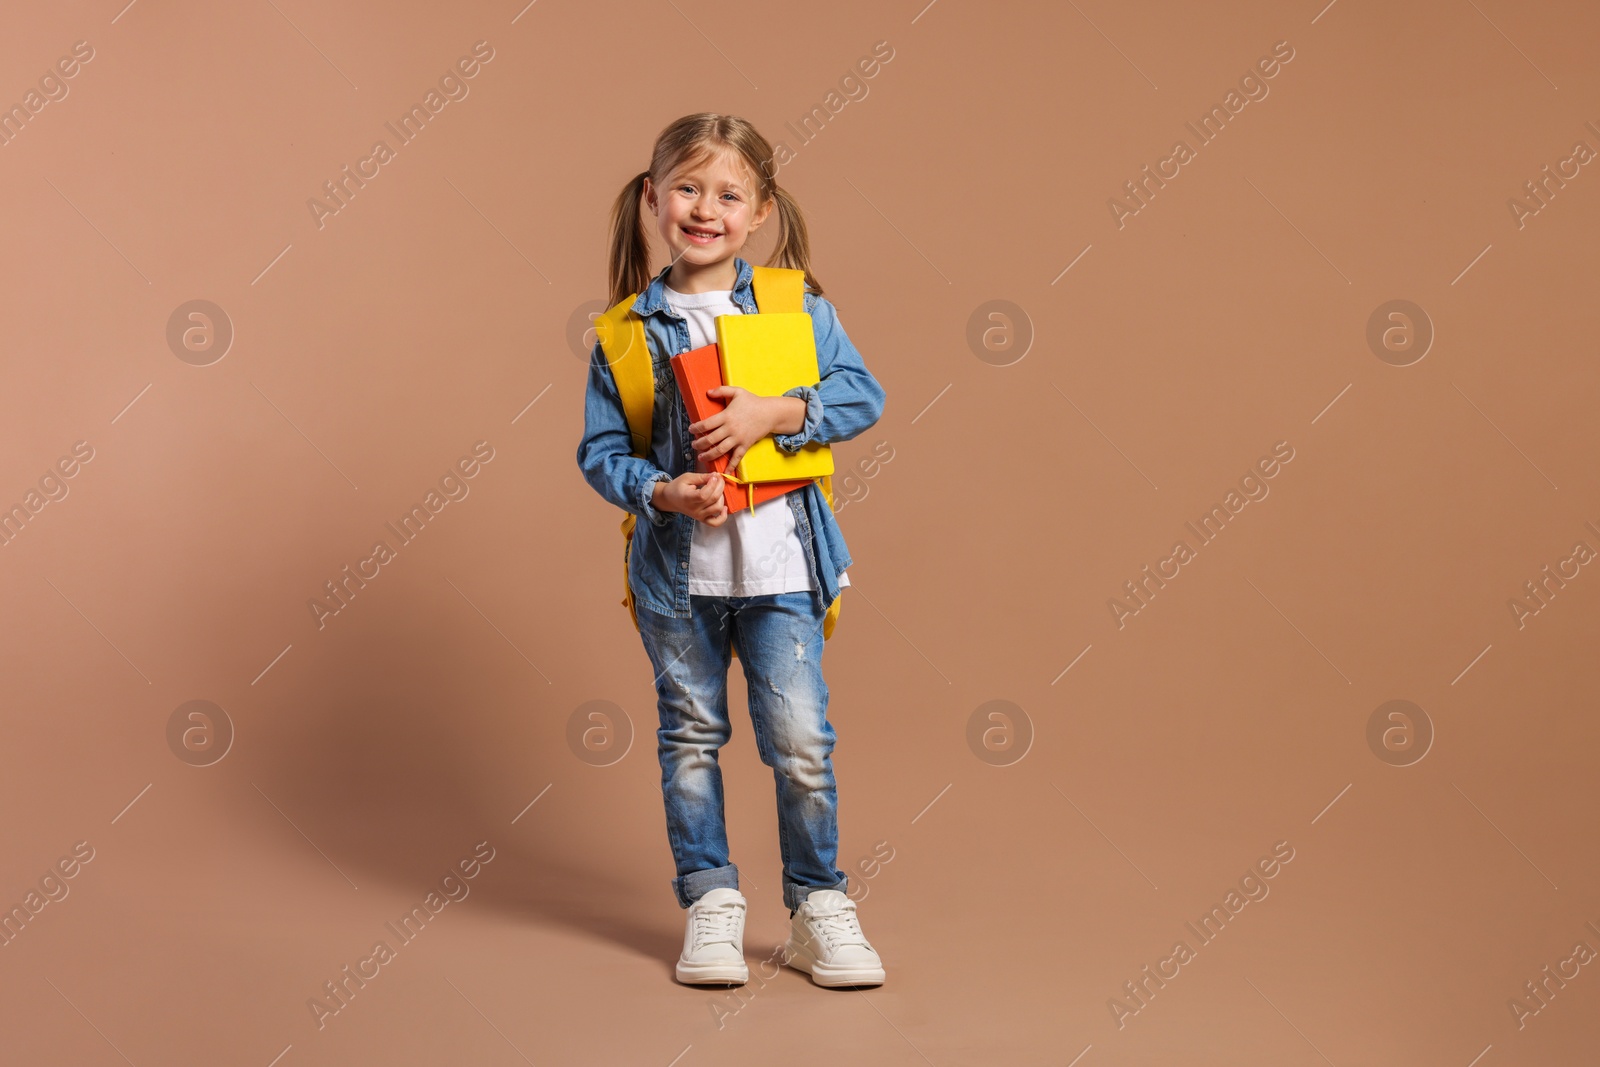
(647, 489)
(605, 454)
(793, 442)
(848, 400)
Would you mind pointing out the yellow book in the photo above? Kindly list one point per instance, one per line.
(768, 354)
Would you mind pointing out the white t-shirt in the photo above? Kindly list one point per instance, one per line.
(752, 552)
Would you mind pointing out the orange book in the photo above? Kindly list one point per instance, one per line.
(697, 372)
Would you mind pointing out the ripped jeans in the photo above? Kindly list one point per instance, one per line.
(779, 637)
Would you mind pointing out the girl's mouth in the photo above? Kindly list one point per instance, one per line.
(700, 237)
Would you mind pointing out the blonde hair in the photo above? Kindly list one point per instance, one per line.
(691, 139)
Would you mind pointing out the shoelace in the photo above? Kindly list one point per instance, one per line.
(715, 924)
(839, 927)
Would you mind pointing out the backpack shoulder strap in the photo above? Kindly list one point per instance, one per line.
(780, 289)
(627, 353)
(621, 334)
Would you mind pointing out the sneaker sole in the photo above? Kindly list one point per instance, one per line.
(832, 977)
(712, 974)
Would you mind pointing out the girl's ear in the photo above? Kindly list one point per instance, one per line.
(761, 216)
(649, 195)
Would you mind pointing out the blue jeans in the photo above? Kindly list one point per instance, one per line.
(779, 637)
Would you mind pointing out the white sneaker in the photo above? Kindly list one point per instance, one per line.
(713, 941)
(825, 941)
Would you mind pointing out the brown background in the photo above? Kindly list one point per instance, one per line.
(1231, 714)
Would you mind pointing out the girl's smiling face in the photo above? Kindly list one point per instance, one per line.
(705, 211)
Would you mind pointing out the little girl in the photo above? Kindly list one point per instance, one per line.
(703, 580)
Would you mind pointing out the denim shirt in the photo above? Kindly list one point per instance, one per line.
(847, 401)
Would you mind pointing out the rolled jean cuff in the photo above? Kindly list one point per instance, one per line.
(696, 884)
(794, 894)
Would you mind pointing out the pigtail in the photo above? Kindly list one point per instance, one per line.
(794, 242)
(629, 260)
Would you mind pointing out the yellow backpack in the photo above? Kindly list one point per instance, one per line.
(621, 334)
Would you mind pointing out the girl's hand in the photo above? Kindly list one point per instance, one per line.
(698, 494)
(747, 418)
